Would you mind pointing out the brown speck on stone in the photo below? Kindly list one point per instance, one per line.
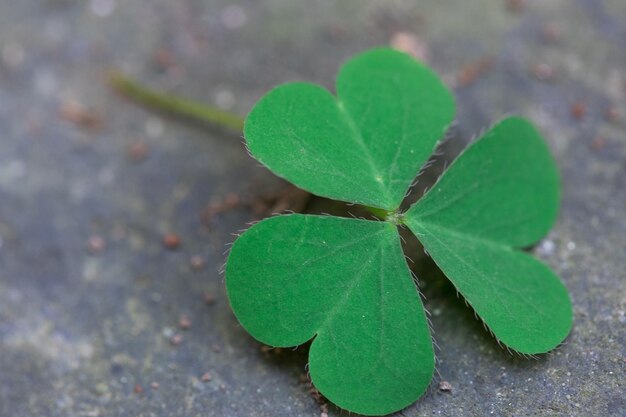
(543, 72)
(176, 340)
(154, 385)
(209, 298)
(550, 32)
(206, 377)
(164, 58)
(138, 151)
(611, 114)
(578, 110)
(337, 32)
(95, 244)
(171, 241)
(197, 262)
(515, 6)
(598, 143)
(183, 322)
(79, 115)
(445, 386)
(138, 389)
(469, 73)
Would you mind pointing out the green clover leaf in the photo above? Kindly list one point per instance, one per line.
(345, 282)
(367, 145)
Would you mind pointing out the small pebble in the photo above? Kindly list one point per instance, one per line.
(445, 386)
(578, 110)
(206, 377)
(154, 385)
(95, 244)
(167, 332)
(183, 322)
(138, 151)
(176, 340)
(543, 72)
(79, 115)
(209, 299)
(225, 99)
(138, 389)
(197, 262)
(171, 241)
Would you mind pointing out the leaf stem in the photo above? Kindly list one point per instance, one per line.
(175, 105)
(378, 212)
(392, 216)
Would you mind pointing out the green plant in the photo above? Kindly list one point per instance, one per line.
(174, 105)
(345, 282)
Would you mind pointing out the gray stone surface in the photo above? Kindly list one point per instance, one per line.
(79, 332)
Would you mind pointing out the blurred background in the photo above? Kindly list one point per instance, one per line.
(114, 220)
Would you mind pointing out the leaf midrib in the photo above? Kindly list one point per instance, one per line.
(487, 242)
(428, 226)
(348, 292)
(376, 170)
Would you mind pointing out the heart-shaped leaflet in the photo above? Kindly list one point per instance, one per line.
(364, 146)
